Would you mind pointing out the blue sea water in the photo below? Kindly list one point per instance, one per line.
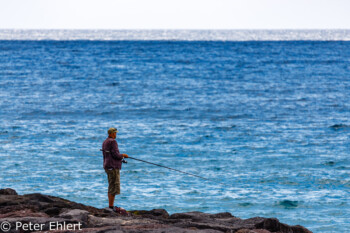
(270, 120)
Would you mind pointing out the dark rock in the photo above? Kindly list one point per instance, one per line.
(222, 215)
(151, 213)
(8, 191)
(39, 197)
(300, 229)
(273, 225)
(43, 209)
(53, 211)
(253, 231)
(23, 213)
(191, 215)
(77, 214)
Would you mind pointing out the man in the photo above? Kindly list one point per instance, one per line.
(112, 163)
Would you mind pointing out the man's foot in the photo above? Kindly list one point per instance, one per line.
(119, 210)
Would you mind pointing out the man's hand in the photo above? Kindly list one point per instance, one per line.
(125, 155)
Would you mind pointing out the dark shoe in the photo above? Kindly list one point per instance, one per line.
(120, 210)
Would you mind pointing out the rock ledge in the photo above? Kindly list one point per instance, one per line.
(43, 213)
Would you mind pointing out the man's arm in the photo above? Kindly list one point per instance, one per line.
(115, 151)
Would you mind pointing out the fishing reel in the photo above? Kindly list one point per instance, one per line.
(123, 160)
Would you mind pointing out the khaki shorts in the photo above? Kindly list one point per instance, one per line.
(113, 181)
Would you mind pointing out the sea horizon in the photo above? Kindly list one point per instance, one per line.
(178, 34)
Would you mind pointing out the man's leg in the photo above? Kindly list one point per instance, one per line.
(116, 186)
(111, 198)
(111, 187)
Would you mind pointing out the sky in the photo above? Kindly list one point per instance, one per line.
(174, 14)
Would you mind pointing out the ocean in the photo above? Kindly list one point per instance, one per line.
(268, 121)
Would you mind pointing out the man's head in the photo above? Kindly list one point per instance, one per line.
(112, 132)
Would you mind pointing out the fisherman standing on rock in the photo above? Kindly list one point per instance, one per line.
(112, 163)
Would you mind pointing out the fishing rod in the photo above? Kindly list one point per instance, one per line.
(187, 173)
(171, 169)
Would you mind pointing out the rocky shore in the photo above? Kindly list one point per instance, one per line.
(43, 213)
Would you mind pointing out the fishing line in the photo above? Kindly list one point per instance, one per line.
(173, 169)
